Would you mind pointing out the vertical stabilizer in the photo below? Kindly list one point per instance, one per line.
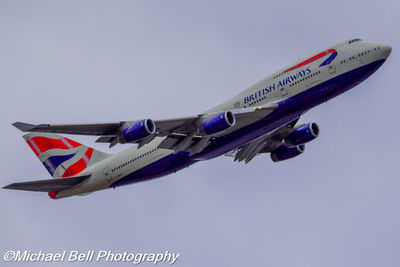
(61, 156)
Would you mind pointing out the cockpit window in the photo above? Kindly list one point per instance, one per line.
(354, 40)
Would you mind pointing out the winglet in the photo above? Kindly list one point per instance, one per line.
(24, 127)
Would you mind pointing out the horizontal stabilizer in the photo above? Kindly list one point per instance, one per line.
(50, 185)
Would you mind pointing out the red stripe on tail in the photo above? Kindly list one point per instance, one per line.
(80, 165)
(41, 144)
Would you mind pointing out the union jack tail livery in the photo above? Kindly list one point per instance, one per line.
(61, 156)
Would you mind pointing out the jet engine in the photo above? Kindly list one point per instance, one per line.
(283, 152)
(139, 130)
(220, 122)
(302, 135)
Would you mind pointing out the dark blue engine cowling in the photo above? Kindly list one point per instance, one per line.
(139, 130)
(283, 152)
(302, 135)
(220, 122)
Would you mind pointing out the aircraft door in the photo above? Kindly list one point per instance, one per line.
(108, 174)
(332, 68)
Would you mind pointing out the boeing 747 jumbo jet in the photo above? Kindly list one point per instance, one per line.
(262, 119)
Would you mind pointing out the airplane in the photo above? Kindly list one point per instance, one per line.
(262, 119)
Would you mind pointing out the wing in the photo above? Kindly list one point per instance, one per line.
(264, 144)
(182, 133)
(51, 185)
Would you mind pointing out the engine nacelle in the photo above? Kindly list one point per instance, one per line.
(139, 130)
(283, 152)
(220, 122)
(302, 135)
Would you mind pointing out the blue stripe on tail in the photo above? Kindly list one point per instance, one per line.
(53, 162)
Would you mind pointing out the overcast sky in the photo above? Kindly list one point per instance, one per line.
(338, 204)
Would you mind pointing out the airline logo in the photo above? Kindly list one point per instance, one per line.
(61, 156)
(331, 52)
(295, 76)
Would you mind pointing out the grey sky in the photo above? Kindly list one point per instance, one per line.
(95, 61)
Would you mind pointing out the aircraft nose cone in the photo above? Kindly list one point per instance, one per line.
(386, 49)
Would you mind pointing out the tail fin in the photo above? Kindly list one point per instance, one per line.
(61, 156)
